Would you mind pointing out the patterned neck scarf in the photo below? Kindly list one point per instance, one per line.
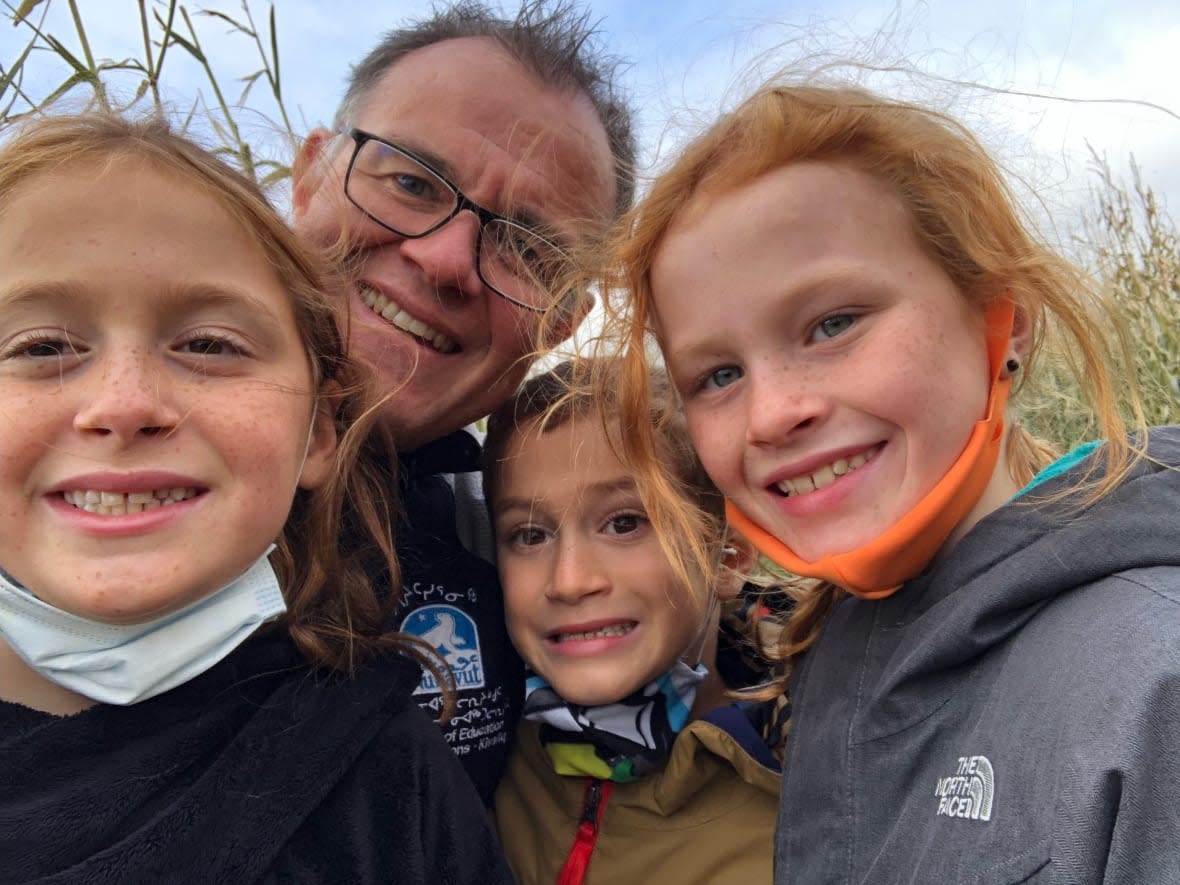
(618, 742)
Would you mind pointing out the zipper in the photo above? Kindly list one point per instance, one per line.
(594, 799)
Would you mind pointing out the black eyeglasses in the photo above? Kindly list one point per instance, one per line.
(406, 195)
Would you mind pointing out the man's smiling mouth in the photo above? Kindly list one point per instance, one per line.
(394, 314)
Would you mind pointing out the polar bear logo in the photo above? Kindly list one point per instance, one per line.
(452, 634)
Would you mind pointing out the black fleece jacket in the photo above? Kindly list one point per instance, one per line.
(257, 771)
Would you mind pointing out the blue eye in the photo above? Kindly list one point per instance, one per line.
(830, 327)
(723, 377)
(414, 186)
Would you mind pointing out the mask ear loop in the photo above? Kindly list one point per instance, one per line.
(315, 414)
(317, 403)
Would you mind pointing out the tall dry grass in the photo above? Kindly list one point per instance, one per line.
(1131, 245)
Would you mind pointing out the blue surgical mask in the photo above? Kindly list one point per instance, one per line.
(125, 664)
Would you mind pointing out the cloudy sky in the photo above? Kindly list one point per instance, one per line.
(1050, 76)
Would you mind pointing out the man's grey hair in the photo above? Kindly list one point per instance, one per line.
(554, 41)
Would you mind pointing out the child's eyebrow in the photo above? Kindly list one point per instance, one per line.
(201, 296)
(503, 505)
(36, 294)
(602, 489)
(181, 298)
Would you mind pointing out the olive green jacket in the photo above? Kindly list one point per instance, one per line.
(707, 817)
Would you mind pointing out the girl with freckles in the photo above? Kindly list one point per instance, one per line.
(985, 672)
(196, 681)
(630, 766)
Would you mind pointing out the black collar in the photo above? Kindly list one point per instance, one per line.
(456, 452)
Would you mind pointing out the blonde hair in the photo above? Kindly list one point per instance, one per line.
(963, 214)
(340, 534)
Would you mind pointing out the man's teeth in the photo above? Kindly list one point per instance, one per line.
(392, 313)
(600, 633)
(826, 475)
(120, 504)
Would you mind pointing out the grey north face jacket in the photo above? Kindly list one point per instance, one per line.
(1011, 715)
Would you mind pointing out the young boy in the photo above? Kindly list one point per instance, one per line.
(631, 765)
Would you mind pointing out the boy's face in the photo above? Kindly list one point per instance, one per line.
(591, 602)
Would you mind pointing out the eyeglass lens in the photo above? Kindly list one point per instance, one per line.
(405, 196)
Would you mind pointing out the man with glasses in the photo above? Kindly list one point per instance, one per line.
(470, 156)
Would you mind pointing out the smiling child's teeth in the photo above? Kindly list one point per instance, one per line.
(120, 504)
(601, 633)
(824, 476)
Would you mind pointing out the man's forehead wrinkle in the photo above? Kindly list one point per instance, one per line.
(559, 161)
(532, 151)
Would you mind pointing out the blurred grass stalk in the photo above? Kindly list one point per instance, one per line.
(165, 26)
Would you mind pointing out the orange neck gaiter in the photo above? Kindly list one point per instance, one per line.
(880, 567)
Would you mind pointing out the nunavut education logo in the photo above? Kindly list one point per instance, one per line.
(969, 792)
(451, 633)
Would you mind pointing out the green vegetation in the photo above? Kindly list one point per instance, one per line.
(169, 36)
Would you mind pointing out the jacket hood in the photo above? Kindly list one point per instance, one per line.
(1014, 562)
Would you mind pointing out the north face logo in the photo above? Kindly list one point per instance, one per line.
(969, 792)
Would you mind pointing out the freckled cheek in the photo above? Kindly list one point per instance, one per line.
(720, 444)
(935, 396)
(261, 460)
(27, 436)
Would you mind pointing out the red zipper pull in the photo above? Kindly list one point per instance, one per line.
(593, 805)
